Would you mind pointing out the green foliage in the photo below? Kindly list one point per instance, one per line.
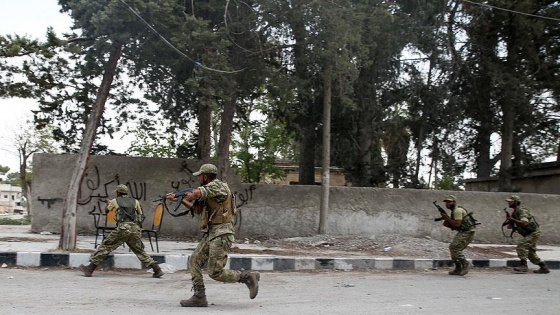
(417, 86)
(147, 144)
(447, 183)
(26, 220)
(261, 144)
(13, 179)
(4, 170)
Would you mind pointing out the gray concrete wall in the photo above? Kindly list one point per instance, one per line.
(272, 210)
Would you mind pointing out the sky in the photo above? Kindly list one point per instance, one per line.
(30, 18)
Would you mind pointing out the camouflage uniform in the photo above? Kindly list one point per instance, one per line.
(126, 232)
(464, 236)
(216, 243)
(216, 207)
(527, 246)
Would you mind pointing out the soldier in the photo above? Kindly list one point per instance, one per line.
(215, 204)
(129, 231)
(525, 223)
(464, 224)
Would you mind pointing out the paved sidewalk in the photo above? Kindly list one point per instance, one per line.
(20, 247)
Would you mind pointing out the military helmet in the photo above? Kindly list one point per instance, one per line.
(513, 198)
(122, 189)
(450, 198)
(207, 169)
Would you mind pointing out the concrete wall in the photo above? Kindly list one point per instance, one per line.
(272, 210)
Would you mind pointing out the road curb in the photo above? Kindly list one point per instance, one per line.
(247, 262)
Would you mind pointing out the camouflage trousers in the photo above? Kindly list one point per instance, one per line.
(459, 243)
(127, 232)
(215, 253)
(527, 247)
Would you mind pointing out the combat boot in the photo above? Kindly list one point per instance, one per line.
(522, 268)
(88, 270)
(157, 270)
(543, 268)
(465, 267)
(198, 299)
(455, 272)
(251, 279)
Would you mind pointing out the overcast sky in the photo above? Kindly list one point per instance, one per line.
(30, 18)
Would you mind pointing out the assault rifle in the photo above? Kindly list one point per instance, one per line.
(443, 216)
(508, 222)
(180, 195)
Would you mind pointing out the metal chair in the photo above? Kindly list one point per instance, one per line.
(156, 226)
(104, 223)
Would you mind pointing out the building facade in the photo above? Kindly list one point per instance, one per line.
(10, 199)
(542, 178)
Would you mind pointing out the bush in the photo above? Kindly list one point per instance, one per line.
(23, 221)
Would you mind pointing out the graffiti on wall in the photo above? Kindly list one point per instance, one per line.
(49, 201)
(244, 197)
(93, 187)
(96, 189)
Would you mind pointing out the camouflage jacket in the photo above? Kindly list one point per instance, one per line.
(216, 200)
(522, 214)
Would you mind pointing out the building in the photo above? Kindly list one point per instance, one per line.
(10, 199)
(542, 178)
(291, 170)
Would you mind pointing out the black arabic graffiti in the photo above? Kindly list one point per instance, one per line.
(185, 168)
(96, 189)
(245, 198)
(49, 201)
(92, 183)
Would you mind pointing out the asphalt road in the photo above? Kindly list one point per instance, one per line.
(66, 291)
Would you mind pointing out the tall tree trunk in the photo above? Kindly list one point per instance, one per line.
(204, 131)
(419, 147)
(507, 146)
(307, 154)
(483, 162)
(68, 232)
(365, 144)
(226, 130)
(325, 183)
(307, 136)
(24, 155)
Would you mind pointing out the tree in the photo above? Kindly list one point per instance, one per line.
(4, 170)
(28, 141)
(515, 55)
(112, 34)
(68, 231)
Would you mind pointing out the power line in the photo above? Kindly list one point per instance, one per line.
(512, 11)
(197, 64)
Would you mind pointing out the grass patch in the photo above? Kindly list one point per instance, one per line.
(23, 221)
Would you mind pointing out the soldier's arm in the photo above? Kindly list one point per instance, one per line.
(457, 219)
(112, 204)
(195, 194)
(521, 223)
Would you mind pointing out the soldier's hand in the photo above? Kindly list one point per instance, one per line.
(171, 196)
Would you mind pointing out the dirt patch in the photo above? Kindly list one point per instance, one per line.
(396, 246)
(21, 239)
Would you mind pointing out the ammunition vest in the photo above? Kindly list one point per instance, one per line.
(126, 212)
(218, 212)
(468, 223)
(531, 226)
